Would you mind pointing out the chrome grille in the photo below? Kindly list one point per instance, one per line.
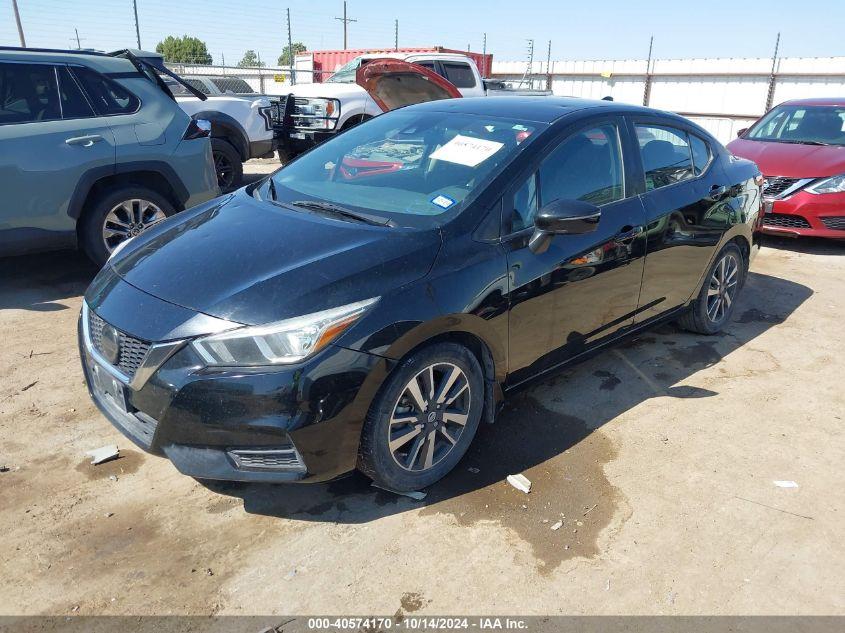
(132, 350)
(776, 185)
(835, 222)
(783, 220)
(282, 458)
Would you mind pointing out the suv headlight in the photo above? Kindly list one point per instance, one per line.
(316, 113)
(280, 343)
(834, 184)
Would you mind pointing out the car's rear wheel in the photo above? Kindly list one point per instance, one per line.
(714, 305)
(423, 419)
(227, 164)
(118, 215)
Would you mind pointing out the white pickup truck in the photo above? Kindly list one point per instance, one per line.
(366, 87)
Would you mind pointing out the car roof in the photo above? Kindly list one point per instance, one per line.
(95, 59)
(820, 101)
(541, 108)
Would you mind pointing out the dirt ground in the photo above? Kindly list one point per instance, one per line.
(658, 457)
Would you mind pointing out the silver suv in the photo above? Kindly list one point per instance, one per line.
(93, 150)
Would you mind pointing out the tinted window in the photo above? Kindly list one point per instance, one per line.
(700, 154)
(28, 92)
(459, 74)
(74, 104)
(107, 96)
(232, 84)
(587, 166)
(666, 155)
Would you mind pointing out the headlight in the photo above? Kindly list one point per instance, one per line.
(834, 184)
(316, 113)
(280, 343)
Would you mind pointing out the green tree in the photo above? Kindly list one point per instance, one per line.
(185, 50)
(285, 59)
(250, 60)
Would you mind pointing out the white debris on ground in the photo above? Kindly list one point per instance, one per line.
(520, 482)
(103, 454)
(557, 526)
(786, 484)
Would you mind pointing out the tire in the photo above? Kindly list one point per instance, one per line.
(452, 427)
(227, 164)
(713, 307)
(127, 209)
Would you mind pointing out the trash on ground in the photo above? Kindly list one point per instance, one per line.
(557, 526)
(520, 482)
(290, 574)
(103, 454)
(4, 468)
(786, 484)
(416, 495)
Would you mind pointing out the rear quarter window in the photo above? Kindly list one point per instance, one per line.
(107, 96)
(459, 74)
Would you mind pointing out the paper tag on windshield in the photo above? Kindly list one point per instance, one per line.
(444, 202)
(466, 150)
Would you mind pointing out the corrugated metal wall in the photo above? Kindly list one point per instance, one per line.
(722, 95)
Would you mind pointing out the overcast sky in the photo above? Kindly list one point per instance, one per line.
(612, 29)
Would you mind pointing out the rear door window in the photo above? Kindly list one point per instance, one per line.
(232, 85)
(28, 93)
(701, 154)
(666, 155)
(460, 74)
(107, 96)
(74, 103)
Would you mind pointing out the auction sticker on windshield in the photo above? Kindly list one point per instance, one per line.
(466, 150)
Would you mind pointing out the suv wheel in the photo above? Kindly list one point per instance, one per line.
(715, 303)
(424, 418)
(118, 215)
(227, 164)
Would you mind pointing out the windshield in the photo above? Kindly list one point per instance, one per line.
(406, 164)
(814, 125)
(346, 73)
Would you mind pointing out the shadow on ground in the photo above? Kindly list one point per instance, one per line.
(42, 281)
(560, 453)
(809, 245)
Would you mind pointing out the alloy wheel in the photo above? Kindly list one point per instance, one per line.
(225, 170)
(128, 219)
(429, 417)
(723, 286)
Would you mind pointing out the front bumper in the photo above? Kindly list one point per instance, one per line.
(288, 138)
(806, 214)
(295, 423)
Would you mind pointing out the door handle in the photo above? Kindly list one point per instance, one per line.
(85, 141)
(628, 233)
(717, 191)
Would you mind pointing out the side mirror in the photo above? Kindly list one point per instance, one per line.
(564, 217)
(741, 133)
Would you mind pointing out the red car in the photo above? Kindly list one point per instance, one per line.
(799, 146)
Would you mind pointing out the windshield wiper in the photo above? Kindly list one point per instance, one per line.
(334, 209)
(795, 142)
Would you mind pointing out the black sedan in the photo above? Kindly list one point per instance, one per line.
(369, 304)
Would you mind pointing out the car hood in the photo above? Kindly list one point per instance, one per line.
(394, 83)
(253, 262)
(791, 159)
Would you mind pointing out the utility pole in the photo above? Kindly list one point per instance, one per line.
(345, 21)
(78, 43)
(770, 97)
(549, 67)
(137, 28)
(290, 53)
(484, 71)
(530, 67)
(396, 35)
(18, 20)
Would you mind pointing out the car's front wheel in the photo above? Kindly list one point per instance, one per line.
(423, 419)
(715, 303)
(118, 215)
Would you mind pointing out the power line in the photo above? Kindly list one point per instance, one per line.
(345, 21)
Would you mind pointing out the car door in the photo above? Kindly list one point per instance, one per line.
(583, 288)
(688, 208)
(49, 137)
